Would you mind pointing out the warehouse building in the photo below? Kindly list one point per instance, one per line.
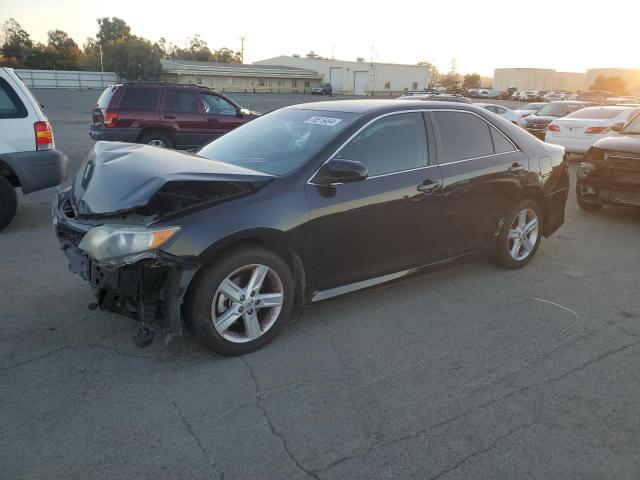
(234, 77)
(359, 77)
(548, 79)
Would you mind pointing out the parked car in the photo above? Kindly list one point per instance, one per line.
(473, 92)
(504, 112)
(516, 95)
(322, 89)
(610, 173)
(537, 123)
(625, 100)
(165, 115)
(529, 96)
(529, 109)
(579, 130)
(302, 204)
(553, 97)
(442, 97)
(597, 96)
(28, 157)
(491, 93)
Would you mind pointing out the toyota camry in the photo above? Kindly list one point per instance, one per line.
(300, 205)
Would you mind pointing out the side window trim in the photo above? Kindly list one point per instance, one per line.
(489, 124)
(196, 96)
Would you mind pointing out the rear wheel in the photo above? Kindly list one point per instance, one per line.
(241, 301)
(157, 139)
(518, 242)
(8, 202)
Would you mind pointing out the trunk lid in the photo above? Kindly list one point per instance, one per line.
(119, 177)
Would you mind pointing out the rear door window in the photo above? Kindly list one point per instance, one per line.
(500, 142)
(180, 101)
(463, 136)
(10, 104)
(139, 99)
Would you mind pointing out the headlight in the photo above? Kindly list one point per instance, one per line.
(117, 245)
(585, 170)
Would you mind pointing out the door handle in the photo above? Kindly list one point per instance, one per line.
(516, 167)
(428, 187)
(169, 117)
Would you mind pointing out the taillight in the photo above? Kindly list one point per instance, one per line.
(596, 130)
(110, 119)
(553, 128)
(44, 136)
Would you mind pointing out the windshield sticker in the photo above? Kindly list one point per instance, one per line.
(326, 121)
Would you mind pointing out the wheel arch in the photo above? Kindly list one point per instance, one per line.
(146, 130)
(268, 238)
(536, 195)
(7, 171)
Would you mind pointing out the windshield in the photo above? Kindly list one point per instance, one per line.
(532, 106)
(633, 127)
(279, 142)
(557, 109)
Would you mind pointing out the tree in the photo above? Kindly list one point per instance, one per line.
(134, 59)
(613, 84)
(471, 81)
(433, 72)
(17, 45)
(64, 50)
(226, 55)
(111, 30)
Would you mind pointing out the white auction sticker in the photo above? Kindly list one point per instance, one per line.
(326, 121)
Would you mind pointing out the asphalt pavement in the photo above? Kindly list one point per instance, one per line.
(470, 372)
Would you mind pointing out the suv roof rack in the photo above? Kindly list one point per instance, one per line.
(162, 84)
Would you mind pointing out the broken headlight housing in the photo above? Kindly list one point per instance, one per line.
(117, 245)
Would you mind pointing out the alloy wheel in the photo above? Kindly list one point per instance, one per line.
(156, 142)
(247, 303)
(523, 234)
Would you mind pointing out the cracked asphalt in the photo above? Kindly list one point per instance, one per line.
(462, 373)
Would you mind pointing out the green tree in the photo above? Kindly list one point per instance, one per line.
(134, 59)
(226, 55)
(471, 81)
(17, 45)
(613, 84)
(111, 30)
(64, 50)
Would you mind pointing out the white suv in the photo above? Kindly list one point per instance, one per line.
(28, 158)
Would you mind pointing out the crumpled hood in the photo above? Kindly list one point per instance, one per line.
(118, 177)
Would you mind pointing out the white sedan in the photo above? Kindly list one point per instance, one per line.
(504, 112)
(579, 130)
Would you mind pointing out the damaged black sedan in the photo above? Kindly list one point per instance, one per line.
(305, 203)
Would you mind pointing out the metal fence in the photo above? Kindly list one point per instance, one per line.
(66, 79)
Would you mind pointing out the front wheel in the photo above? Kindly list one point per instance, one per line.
(241, 301)
(8, 202)
(157, 139)
(520, 237)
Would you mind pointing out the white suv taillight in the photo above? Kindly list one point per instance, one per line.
(44, 136)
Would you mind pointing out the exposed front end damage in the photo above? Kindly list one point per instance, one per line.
(107, 225)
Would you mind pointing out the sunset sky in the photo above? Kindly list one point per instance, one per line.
(566, 35)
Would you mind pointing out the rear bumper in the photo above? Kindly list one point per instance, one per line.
(536, 132)
(556, 203)
(38, 170)
(609, 194)
(116, 134)
(571, 145)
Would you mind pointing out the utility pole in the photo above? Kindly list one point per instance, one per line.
(101, 64)
(242, 39)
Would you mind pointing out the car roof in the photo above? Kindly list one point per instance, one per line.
(379, 105)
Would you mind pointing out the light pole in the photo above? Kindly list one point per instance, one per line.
(101, 64)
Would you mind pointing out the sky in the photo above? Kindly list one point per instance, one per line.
(566, 35)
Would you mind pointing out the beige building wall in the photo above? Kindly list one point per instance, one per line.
(360, 77)
(524, 78)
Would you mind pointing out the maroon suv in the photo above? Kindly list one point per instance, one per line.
(165, 115)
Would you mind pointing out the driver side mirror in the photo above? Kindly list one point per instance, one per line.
(243, 111)
(341, 170)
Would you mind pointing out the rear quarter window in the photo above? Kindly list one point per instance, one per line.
(10, 104)
(139, 99)
(105, 98)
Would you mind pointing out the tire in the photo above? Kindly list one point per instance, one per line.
(506, 244)
(205, 299)
(585, 204)
(157, 139)
(8, 202)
